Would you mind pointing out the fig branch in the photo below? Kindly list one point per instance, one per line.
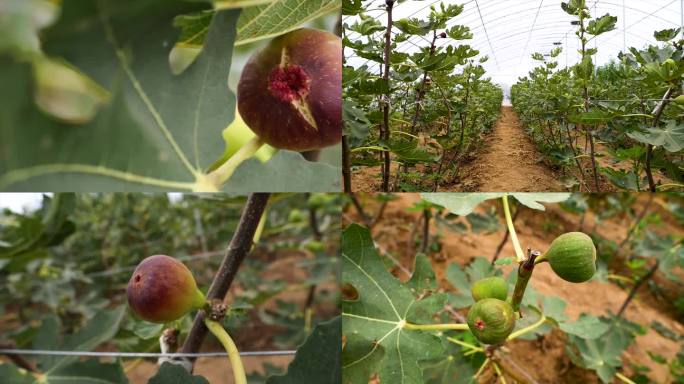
(237, 250)
(524, 274)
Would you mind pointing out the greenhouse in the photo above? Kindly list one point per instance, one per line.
(596, 69)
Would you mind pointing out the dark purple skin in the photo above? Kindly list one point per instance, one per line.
(162, 289)
(267, 92)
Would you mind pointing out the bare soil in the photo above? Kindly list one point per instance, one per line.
(507, 161)
(369, 179)
(545, 359)
(511, 162)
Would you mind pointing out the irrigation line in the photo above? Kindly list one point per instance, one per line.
(43, 352)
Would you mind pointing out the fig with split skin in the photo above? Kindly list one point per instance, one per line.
(572, 257)
(490, 287)
(162, 289)
(290, 92)
(491, 320)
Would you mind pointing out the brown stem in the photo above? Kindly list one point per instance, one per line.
(385, 128)
(524, 273)
(313, 224)
(359, 209)
(237, 250)
(426, 230)
(658, 113)
(575, 154)
(378, 215)
(593, 160)
(514, 370)
(636, 287)
(637, 221)
(421, 91)
(346, 166)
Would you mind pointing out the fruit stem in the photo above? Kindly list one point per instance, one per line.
(482, 367)
(525, 330)
(231, 349)
(511, 229)
(226, 170)
(436, 327)
(499, 373)
(624, 378)
(524, 273)
(466, 345)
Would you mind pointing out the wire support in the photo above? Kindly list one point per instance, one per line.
(44, 352)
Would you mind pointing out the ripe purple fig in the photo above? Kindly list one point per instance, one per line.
(162, 289)
(290, 92)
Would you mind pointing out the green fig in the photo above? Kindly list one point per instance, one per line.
(490, 287)
(572, 257)
(679, 100)
(491, 320)
(162, 289)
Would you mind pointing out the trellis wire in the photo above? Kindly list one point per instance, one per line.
(44, 352)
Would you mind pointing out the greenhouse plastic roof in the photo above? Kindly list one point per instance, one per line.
(510, 31)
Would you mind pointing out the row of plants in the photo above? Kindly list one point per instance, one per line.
(416, 98)
(618, 126)
(412, 330)
(65, 267)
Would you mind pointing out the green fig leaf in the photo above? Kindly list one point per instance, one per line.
(376, 342)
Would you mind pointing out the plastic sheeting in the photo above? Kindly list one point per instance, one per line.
(510, 31)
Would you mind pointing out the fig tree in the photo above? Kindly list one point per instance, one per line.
(491, 320)
(490, 287)
(572, 257)
(162, 289)
(290, 92)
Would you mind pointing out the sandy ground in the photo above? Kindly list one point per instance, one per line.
(536, 229)
(510, 162)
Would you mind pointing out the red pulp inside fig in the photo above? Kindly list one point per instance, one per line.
(289, 83)
(479, 324)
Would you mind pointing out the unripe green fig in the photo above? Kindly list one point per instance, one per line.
(679, 100)
(490, 287)
(162, 289)
(491, 320)
(290, 92)
(572, 257)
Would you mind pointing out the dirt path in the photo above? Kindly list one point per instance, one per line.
(511, 162)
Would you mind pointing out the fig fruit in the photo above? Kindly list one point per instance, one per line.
(679, 100)
(490, 287)
(162, 289)
(572, 257)
(290, 92)
(491, 320)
